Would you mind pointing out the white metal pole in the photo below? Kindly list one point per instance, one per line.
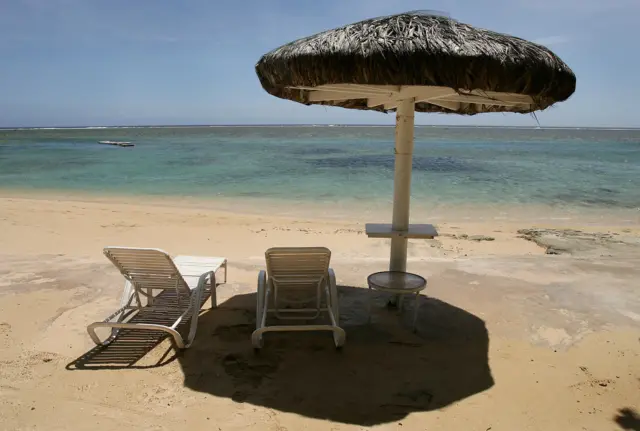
(402, 182)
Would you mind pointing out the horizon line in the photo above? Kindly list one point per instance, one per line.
(309, 125)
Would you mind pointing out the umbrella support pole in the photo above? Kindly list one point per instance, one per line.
(402, 182)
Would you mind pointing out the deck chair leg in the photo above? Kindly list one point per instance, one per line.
(339, 337)
(195, 312)
(333, 296)
(95, 338)
(196, 302)
(214, 291)
(179, 342)
(261, 310)
(225, 272)
(369, 305)
(416, 305)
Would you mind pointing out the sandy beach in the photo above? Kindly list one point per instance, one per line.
(523, 326)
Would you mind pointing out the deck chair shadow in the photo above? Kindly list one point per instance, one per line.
(297, 285)
(150, 275)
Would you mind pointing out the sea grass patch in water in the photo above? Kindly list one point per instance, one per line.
(374, 161)
(418, 49)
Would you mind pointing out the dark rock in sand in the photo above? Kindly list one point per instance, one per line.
(479, 238)
(579, 243)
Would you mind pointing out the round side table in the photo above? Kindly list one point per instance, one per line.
(399, 283)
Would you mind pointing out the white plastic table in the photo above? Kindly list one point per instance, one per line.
(192, 267)
(398, 283)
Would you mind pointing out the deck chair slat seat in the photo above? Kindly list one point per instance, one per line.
(174, 290)
(297, 276)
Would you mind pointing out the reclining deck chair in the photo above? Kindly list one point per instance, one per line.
(173, 291)
(292, 287)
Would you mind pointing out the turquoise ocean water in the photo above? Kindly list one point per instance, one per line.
(570, 168)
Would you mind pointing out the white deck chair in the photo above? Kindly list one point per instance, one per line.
(296, 277)
(165, 289)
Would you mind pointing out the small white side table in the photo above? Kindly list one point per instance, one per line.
(399, 283)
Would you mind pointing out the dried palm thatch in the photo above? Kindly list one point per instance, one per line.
(418, 49)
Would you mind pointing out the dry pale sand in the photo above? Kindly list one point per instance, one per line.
(510, 338)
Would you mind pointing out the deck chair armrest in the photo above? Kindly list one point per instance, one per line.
(127, 293)
(334, 303)
(198, 292)
(332, 276)
(196, 302)
(202, 281)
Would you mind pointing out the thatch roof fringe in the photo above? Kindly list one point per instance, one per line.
(418, 49)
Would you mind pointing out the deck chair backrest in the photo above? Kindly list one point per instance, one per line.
(297, 273)
(147, 268)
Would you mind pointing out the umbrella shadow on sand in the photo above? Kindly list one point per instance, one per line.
(628, 419)
(384, 372)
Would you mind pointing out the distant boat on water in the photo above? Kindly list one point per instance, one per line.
(117, 143)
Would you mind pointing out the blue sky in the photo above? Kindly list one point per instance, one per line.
(127, 62)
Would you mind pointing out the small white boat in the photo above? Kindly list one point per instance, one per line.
(117, 143)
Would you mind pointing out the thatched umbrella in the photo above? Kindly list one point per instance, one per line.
(415, 61)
